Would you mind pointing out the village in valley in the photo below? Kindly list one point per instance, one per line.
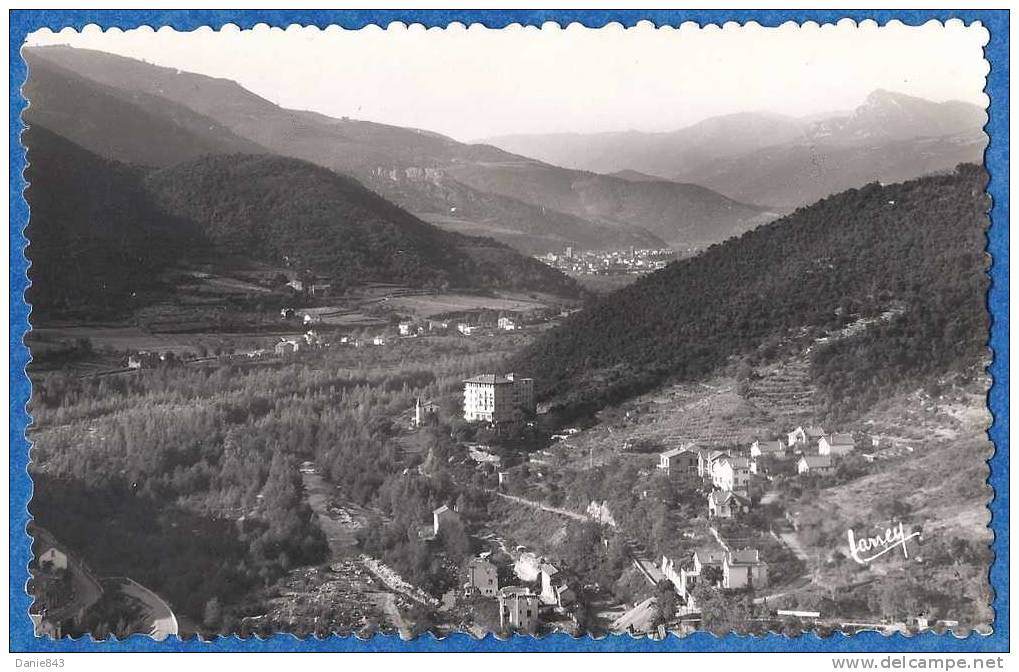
(729, 537)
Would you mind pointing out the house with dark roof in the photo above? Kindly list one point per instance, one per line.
(815, 464)
(727, 504)
(836, 444)
(679, 461)
(767, 448)
(482, 577)
(804, 436)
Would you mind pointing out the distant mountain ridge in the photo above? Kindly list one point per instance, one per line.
(577, 208)
(781, 161)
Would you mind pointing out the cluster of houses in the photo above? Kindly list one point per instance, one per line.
(293, 345)
(520, 606)
(729, 472)
(729, 569)
(502, 324)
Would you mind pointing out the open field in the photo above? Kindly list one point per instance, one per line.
(438, 304)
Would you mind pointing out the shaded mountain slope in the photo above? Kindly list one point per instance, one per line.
(917, 245)
(283, 210)
(132, 127)
(96, 237)
(680, 214)
(101, 231)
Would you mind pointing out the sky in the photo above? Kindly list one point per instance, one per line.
(473, 83)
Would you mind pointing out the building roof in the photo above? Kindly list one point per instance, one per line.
(516, 591)
(737, 462)
(814, 461)
(441, 509)
(814, 431)
(721, 497)
(674, 452)
(709, 557)
(744, 556)
(548, 568)
(840, 439)
(770, 446)
(494, 379)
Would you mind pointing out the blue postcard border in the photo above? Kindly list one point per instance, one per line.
(22, 639)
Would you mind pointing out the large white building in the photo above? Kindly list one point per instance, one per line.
(496, 398)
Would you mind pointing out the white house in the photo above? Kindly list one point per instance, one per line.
(767, 448)
(731, 473)
(814, 464)
(467, 329)
(686, 577)
(424, 412)
(54, 558)
(836, 444)
(803, 436)
(554, 588)
(507, 324)
(287, 346)
(706, 461)
(744, 569)
(405, 328)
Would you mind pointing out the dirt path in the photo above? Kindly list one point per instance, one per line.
(339, 526)
(386, 602)
(544, 507)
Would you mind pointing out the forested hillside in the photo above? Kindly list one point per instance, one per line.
(284, 210)
(101, 232)
(96, 236)
(914, 251)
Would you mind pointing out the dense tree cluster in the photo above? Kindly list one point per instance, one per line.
(188, 478)
(96, 236)
(917, 245)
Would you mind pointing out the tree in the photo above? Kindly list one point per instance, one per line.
(213, 614)
(722, 613)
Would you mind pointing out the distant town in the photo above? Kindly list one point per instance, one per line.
(631, 261)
